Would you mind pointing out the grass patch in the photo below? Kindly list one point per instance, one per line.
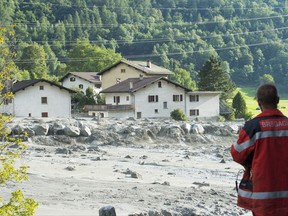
(249, 93)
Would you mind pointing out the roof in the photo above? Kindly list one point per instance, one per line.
(91, 77)
(225, 109)
(206, 92)
(20, 85)
(134, 84)
(146, 67)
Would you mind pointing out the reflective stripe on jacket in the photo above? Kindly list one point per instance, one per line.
(262, 149)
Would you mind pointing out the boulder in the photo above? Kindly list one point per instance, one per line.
(186, 128)
(41, 129)
(85, 131)
(71, 131)
(107, 211)
(197, 129)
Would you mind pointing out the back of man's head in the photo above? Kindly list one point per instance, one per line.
(267, 96)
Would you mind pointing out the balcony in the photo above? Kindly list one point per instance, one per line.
(108, 107)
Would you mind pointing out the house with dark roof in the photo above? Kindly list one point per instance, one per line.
(125, 69)
(82, 80)
(155, 97)
(38, 98)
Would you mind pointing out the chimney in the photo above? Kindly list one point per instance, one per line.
(148, 63)
(130, 85)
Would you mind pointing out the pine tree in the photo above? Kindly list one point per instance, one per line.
(212, 77)
(239, 105)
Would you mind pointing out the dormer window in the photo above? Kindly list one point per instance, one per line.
(72, 79)
(159, 85)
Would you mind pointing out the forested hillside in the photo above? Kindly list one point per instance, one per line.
(249, 37)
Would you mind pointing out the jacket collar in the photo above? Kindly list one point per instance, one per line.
(270, 112)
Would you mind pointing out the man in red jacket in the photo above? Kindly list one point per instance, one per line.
(262, 149)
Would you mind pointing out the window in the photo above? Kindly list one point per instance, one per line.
(72, 79)
(139, 115)
(98, 85)
(156, 111)
(159, 85)
(177, 98)
(44, 114)
(127, 98)
(152, 98)
(194, 112)
(194, 98)
(117, 99)
(165, 106)
(41, 87)
(44, 100)
(81, 86)
(7, 101)
(123, 70)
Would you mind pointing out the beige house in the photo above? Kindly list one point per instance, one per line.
(123, 70)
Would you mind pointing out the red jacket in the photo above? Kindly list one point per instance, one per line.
(262, 149)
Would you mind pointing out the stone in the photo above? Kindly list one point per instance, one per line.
(85, 131)
(107, 211)
(72, 131)
(41, 129)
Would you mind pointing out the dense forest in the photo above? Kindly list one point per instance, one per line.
(249, 37)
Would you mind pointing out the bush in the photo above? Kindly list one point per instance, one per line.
(178, 115)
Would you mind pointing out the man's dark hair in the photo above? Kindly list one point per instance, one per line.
(267, 94)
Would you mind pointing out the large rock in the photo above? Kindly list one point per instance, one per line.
(107, 211)
(41, 129)
(85, 131)
(57, 128)
(197, 129)
(186, 128)
(71, 131)
(17, 130)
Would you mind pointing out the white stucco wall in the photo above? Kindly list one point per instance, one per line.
(125, 98)
(147, 109)
(79, 81)
(165, 94)
(29, 101)
(208, 104)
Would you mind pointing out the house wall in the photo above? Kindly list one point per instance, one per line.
(165, 94)
(125, 98)
(114, 75)
(29, 101)
(79, 81)
(208, 105)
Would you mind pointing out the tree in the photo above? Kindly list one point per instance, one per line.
(33, 59)
(212, 77)
(239, 105)
(18, 205)
(266, 78)
(87, 57)
(183, 77)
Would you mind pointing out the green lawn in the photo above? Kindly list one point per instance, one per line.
(249, 96)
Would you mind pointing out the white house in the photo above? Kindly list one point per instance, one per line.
(38, 98)
(155, 97)
(82, 80)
